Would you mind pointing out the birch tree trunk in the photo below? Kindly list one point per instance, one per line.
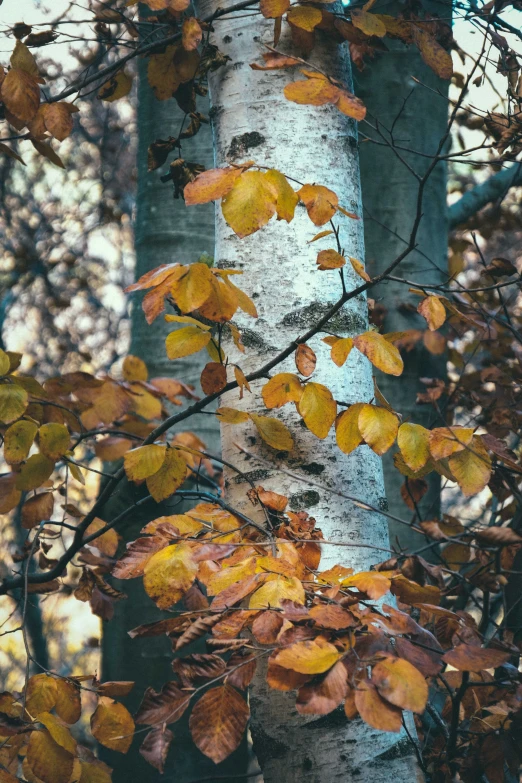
(312, 145)
(419, 116)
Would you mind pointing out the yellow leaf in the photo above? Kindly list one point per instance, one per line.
(271, 9)
(287, 198)
(162, 74)
(244, 302)
(117, 87)
(282, 388)
(320, 202)
(382, 353)
(229, 576)
(48, 760)
(143, 462)
(23, 59)
(210, 185)
(413, 441)
(347, 431)
(250, 204)
(341, 350)
(68, 700)
(34, 472)
(312, 92)
(358, 268)
(41, 694)
(305, 16)
(134, 369)
(144, 403)
(401, 684)
(18, 440)
(471, 467)
(53, 440)
(273, 592)
(373, 583)
(191, 34)
(221, 304)
(13, 402)
(191, 286)
(187, 319)
(232, 416)
(5, 363)
(95, 772)
(378, 427)
(169, 477)
(445, 441)
(370, 24)
(318, 409)
(107, 542)
(433, 311)
(311, 657)
(186, 341)
(112, 725)
(329, 259)
(320, 235)
(169, 573)
(60, 733)
(273, 432)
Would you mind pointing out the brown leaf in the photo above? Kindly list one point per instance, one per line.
(468, 658)
(213, 377)
(197, 668)
(320, 698)
(218, 721)
(167, 706)
(21, 94)
(155, 747)
(305, 359)
(332, 616)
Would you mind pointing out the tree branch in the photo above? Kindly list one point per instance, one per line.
(473, 200)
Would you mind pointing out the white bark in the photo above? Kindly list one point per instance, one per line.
(312, 145)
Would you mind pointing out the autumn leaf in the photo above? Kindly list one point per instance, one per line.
(445, 441)
(329, 259)
(37, 508)
(382, 353)
(21, 94)
(53, 440)
(155, 747)
(433, 54)
(191, 34)
(218, 722)
(60, 733)
(41, 694)
(280, 389)
(369, 24)
(13, 402)
(318, 409)
(271, 9)
(433, 311)
(320, 202)
(18, 440)
(374, 710)
(144, 461)
(162, 74)
(213, 378)
(378, 427)
(34, 472)
(220, 306)
(112, 725)
(47, 759)
(191, 286)
(167, 706)
(304, 16)
(273, 432)
(347, 432)
(310, 657)
(186, 341)
(250, 204)
(413, 441)
(401, 684)
(169, 477)
(134, 369)
(117, 87)
(305, 360)
(471, 467)
(277, 590)
(331, 616)
(169, 573)
(373, 583)
(68, 703)
(211, 185)
(468, 658)
(231, 415)
(57, 118)
(341, 350)
(321, 698)
(286, 198)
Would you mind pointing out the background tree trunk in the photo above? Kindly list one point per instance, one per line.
(417, 117)
(165, 232)
(311, 145)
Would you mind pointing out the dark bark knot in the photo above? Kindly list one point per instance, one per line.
(241, 144)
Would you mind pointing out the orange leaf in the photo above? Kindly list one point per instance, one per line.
(329, 259)
(374, 710)
(305, 359)
(320, 698)
(191, 34)
(282, 388)
(401, 684)
(320, 202)
(382, 353)
(210, 185)
(433, 311)
(218, 722)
